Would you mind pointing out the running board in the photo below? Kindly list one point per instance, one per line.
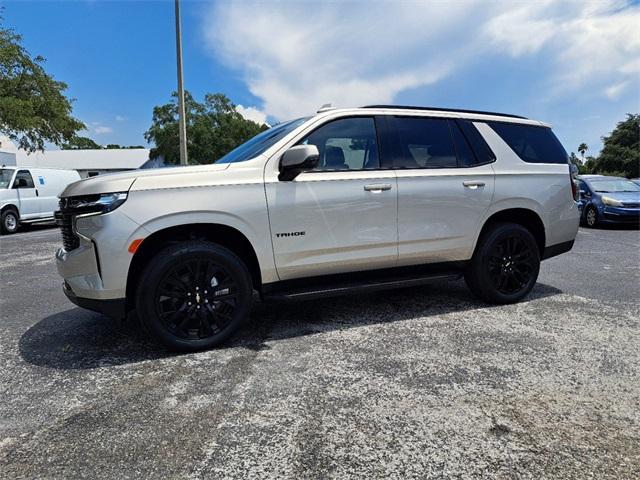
(38, 220)
(320, 291)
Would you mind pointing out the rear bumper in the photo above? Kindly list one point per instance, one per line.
(114, 308)
(557, 249)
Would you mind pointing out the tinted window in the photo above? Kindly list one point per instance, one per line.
(258, 144)
(532, 144)
(5, 177)
(465, 155)
(24, 174)
(480, 148)
(346, 144)
(423, 143)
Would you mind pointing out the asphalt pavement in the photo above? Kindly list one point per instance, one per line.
(417, 383)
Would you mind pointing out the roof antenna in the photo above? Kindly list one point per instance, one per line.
(325, 108)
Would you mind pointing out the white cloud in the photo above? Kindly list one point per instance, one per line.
(252, 113)
(120, 118)
(297, 56)
(102, 129)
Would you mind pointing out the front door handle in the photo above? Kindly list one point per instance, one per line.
(377, 187)
(473, 184)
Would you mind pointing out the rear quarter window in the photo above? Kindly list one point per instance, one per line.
(533, 144)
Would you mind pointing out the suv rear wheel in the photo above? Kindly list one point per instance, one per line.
(505, 265)
(194, 295)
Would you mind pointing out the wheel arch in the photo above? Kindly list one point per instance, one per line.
(526, 217)
(10, 206)
(221, 234)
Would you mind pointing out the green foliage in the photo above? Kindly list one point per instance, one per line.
(214, 128)
(582, 148)
(33, 107)
(80, 143)
(620, 155)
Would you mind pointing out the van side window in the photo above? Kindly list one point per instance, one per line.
(423, 143)
(346, 144)
(533, 144)
(24, 175)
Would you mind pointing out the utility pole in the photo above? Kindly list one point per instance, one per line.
(181, 116)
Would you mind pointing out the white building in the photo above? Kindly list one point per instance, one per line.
(88, 163)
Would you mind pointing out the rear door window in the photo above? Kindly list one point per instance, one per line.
(480, 148)
(533, 144)
(423, 143)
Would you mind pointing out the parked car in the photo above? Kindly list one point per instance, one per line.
(608, 200)
(30, 195)
(347, 200)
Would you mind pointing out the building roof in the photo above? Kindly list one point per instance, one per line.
(113, 159)
(116, 159)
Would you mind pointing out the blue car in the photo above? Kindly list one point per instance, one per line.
(608, 200)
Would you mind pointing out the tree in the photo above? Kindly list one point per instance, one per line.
(33, 107)
(214, 128)
(620, 153)
(582, 148)
(80, 143)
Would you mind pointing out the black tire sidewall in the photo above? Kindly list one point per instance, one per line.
(169, 258)
(478, 277)
(3, 227)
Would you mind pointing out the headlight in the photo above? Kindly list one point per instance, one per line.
(611, 202)
(102, 203)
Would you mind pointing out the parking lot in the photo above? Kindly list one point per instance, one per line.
(418, 383)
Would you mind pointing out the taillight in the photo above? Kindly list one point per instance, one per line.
(573, 173)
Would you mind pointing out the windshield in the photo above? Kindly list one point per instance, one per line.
(258, 144)
(5, 177)
(614, 185)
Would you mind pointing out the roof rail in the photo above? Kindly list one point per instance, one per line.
(436, 109)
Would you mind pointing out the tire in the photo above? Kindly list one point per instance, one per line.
(591, 217)
(194, 295)
(9, 221)
(505, 265)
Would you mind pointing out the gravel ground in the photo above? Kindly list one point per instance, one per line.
(418, 383)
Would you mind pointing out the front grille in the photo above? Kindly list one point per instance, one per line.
(631, 204)
(64, 219)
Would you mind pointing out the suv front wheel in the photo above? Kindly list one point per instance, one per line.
(505, 265)
(194, 295)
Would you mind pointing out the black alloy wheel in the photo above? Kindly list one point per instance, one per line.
(194, 295)
(505, 265)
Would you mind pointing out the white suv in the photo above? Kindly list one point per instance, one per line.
(343, 201)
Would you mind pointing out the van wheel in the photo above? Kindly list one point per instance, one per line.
(9, 221)
(194, 295)
(505, 265)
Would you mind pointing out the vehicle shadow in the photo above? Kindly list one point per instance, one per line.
(78, 339)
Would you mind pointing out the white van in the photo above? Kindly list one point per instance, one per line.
(30, 195)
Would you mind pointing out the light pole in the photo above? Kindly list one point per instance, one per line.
(181, 116)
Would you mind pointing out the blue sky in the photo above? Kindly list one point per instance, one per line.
(575, 65)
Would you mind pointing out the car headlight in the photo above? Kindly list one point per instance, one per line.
(612, 202)
(101, 203)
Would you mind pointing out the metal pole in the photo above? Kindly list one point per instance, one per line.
(181, 116)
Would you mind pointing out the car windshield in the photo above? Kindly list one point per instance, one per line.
(614, 185)
(5, 177)
(258, 144)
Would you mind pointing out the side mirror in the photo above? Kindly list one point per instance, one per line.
(296, 160)
(20, 183)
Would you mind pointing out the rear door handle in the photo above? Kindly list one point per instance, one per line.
(473, 184)
(377, 187)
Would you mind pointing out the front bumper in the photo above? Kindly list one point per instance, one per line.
(115, 308)
(620, 215)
